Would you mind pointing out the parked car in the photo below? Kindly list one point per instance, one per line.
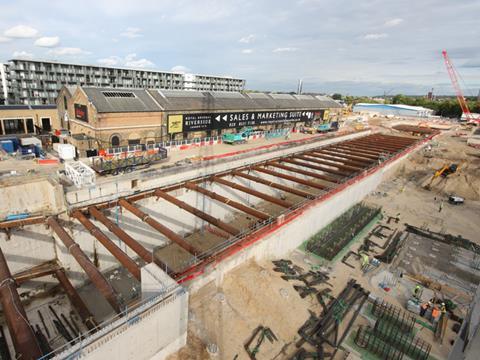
(455, 200)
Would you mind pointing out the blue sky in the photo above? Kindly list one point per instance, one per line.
(353, 47)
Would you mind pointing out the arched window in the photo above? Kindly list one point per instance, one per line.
(115, 140)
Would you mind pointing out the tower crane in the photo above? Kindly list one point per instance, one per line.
(458, 91)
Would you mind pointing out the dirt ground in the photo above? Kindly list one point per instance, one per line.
(223, 318)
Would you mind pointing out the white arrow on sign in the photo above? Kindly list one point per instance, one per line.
(225, 117)
(217, 118)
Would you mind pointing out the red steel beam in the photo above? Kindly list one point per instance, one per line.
(310, 173)
(369, 147)
(355, 160)
(290, 178)
(274, 200)
(122, 235)
(76, 300)
(47, 268)
(355, 154)
(92, 272)
(22, 222)
(322, 159)
(354, 151)
(393, 141)
(285, 188)
(347, 171)
(379, 145)
(198, 213)
(318, 167)
(123, 258)
(159, 227)
(227, 201)
(23, 337)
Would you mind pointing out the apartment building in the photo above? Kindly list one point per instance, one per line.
(37, 82)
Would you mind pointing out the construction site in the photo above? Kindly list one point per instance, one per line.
(344, 244)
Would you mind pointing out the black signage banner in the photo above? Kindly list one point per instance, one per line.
(203, 122)
(81, 112)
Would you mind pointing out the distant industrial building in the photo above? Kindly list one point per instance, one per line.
(104, 117)
(393, 109)
(37, 82)
(25, 119)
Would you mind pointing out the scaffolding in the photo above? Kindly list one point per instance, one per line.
(80, 174)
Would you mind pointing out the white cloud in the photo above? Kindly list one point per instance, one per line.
(375, 36)
(4, 39)
(284, 49)
(47, 41)
(110, 61)
(131, 32)
(393, 22)
(247, 51)
(180, 69)
(22, 55)
(67, 51)
(21, 31)
(247, 39)
(130, 60)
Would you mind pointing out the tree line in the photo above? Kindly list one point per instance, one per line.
(446, 107)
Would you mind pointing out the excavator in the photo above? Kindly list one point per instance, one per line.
(443, 172)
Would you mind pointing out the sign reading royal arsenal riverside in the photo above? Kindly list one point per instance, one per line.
(213, 121)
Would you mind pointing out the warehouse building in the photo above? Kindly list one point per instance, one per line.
(25, 119)
(25, 81)
(119, 117)
(393, 109)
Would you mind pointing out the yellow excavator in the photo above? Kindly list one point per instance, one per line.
(443, 172)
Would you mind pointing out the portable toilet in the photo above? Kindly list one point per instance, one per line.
(7, 145)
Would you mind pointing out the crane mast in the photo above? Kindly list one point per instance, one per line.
(458, 91)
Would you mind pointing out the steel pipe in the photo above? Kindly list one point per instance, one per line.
(159, 227)
(290, 178)
(21, 331)
(76, 300)
(274, 200)
(198, 213)
(122, 235)
(92, 272)
(285, 188)
(310, 173)
(123, 258)
(227, 201)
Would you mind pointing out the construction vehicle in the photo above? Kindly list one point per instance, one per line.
(443, 172)
(240, 137)
(125, 162)
(456, 200)
(466, 114)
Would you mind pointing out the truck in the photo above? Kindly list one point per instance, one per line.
(237, 138)
(327, 127)
(127, 161)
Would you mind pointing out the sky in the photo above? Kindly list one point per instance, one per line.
(355, 47)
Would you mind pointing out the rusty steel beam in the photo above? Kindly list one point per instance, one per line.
(290, 178)
(318, 167)
(123, 258)
(198, 213)
(92, 272)
(122, 235)
(354, 160)
(22, 222)
(47, 268)
(272, 199)
(227, 201)
(373, 159)
(312, 164)
(369, 147)
(277, 186)
(378, 145)
(322, 159)
(159, 227)
(395, 140)
(358, 150)
(304, 172)
(21, 331)
(76, 300)
(363, 147)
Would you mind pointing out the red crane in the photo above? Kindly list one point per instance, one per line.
(458, 91)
